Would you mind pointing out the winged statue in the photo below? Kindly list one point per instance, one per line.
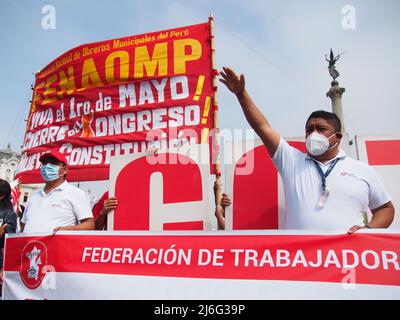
(332, 68)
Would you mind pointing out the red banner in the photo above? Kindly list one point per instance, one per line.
(375, 257)
(113, 97)
(361, 258)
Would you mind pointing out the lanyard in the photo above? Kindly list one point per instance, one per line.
(326, 174)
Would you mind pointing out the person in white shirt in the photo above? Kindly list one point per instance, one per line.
(59, 205)
(324, 189)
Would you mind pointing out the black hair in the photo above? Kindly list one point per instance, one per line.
(330, 117)
(5, 190)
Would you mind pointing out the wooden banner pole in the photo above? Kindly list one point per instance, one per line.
(216, 138)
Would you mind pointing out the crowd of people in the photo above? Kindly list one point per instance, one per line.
(318, 194)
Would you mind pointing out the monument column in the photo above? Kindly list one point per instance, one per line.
(335, 92)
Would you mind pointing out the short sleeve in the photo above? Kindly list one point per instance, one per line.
(81, 205)
(284, 158)
(377, 192)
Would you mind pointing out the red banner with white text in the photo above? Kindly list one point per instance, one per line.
(92, 264)
(118, 96)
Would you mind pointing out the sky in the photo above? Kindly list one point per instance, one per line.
(279, 46)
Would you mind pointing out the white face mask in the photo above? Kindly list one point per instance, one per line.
(318, 144)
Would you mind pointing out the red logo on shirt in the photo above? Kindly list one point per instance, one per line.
(33, 259)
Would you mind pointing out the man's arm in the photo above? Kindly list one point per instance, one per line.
(254, 116)
(108, 205)
(100, 221)
(219, 214)
(220, 211)
(382, 217)
(85, 224)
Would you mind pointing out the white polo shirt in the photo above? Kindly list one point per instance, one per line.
(353, 187)
(65, 205)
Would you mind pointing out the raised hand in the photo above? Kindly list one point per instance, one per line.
(232, 81)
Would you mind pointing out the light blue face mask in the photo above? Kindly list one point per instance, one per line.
(49, 172)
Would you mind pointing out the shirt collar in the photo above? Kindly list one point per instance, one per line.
(61, 187)
(341, 155)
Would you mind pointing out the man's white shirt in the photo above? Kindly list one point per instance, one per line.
(65, 205)
(353, 188)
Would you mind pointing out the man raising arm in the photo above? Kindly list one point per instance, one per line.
(324, 189)
(254, 117)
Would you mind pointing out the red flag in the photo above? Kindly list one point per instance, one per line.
(15, 194)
